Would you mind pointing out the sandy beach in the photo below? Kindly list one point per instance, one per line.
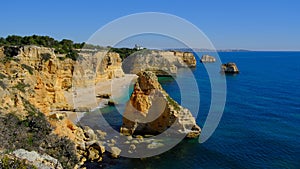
(85, 99)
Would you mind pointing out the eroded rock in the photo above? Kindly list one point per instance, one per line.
(162, 63)
(229, 68)
(207, 58)
(115, 152)
(40, 161)
(152, 111)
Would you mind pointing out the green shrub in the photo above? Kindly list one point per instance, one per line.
(3, 85)
(46, 56)
(11, 51)
(173, 103)
(14, 163)
(33, 133)
(123, 52)
(2, 76)
(64, 46)
(21, 86)
(29, 68)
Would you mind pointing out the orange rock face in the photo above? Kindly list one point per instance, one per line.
(151, 111)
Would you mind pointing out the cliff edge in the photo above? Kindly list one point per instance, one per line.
(162, 63)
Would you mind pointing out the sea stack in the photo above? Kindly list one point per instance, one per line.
(229, 68)
(151, 111)
(207, 58)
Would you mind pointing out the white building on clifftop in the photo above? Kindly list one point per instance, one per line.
(138, 47)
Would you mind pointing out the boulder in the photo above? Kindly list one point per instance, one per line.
(115, 152)
(93, 154)
(89, 134)
(101, 134)
(111, 103)
(39, 160)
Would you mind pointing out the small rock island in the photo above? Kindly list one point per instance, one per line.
(229, 68)
(207, 59)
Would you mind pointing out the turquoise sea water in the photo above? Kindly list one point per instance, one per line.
(260, 126)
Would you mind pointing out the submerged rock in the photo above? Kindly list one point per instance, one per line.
(152, 111)
(229, 68)
(154, 145)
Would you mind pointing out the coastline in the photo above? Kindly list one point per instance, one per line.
(84, 99)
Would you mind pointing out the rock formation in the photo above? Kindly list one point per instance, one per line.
(162, 63)
(152, 111)
(46, 76)
(33, 81)
(207, 58)
(40, 161)
(230, 68)
(95, 67)
(187, 57)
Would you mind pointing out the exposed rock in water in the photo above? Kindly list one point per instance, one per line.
(115, 152)
(162, 63)
(230, 68)
(152, 111)
(207, 58)
(111, 103)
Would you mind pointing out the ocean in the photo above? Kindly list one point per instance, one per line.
(260, 126)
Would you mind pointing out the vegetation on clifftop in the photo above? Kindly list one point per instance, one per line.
(33, 133)
(64, 46)
(123, 52)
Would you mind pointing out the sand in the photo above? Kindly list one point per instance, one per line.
(84, 99)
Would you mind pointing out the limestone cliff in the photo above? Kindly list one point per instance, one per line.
(187, 57)
(96, 66)
(162, 63)
(152, 111)
(45, 76)
(33, 81)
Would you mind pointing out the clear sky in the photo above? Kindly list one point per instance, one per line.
(247, 24)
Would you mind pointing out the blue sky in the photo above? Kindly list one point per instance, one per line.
(255, 24)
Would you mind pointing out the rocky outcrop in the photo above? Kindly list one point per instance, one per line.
(207, 58)
(38, 160)
(229, 68)
(162, 63)
(152, 111)
(187, 57)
